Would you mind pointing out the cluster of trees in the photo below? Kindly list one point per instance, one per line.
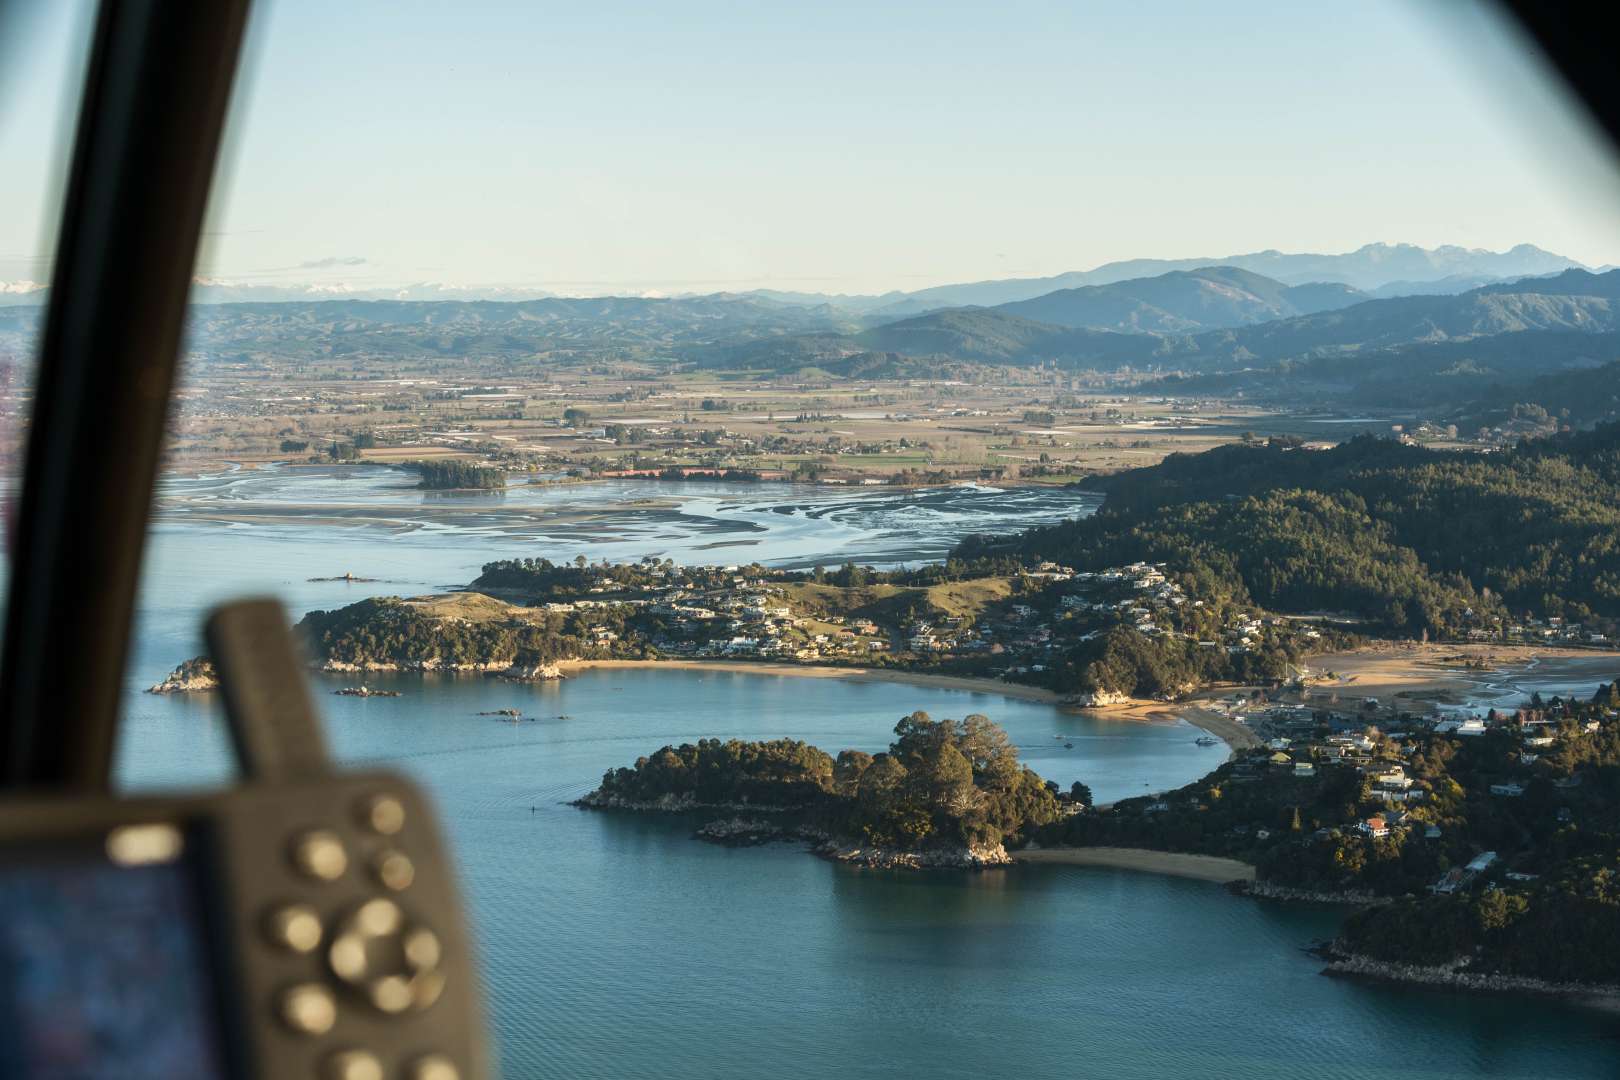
(1558, 401)
(449, 475)
(387, 630)
(940, 782)
(1123, 660)
(781, 773)
(545, 580)
(675, 472)
(1412, 540)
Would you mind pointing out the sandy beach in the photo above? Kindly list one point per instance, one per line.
(1224, 728)
(1410, 674)
(1199, 867)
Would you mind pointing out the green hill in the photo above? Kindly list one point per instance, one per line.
(1407, 538)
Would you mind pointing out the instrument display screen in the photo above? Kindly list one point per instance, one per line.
(104, 964)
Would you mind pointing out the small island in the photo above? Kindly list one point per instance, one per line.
(947, 793)
(456, 475)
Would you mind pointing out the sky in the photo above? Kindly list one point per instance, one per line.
(606, 147)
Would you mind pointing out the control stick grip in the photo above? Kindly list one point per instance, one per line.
(267, 703)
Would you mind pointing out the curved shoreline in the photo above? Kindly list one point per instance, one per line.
(963, 683)
(1169, 863)
(1235, 735)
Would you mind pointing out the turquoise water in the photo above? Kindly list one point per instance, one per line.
(617, 946)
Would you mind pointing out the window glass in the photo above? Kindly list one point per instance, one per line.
(42, 51)
(687, 351)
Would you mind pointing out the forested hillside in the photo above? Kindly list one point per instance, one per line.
(1411, 540)
(1468, 381)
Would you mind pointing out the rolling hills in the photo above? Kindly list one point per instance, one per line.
(1184, 301)
(1369, 267)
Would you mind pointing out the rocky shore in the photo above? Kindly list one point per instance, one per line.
(748, 832)
(939, 856)
(668, 804)
(1264, 890)
(1100, 699)
(499, 668)
(195, 676)
(738, 831)
(1455, 976)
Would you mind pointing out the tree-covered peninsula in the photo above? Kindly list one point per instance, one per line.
(1487, 851)
(945, 793)
(458, 632)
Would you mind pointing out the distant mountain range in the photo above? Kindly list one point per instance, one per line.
(1575, 300)
(1380, 270)
(1184, 301)
(1373, 268)
(1221, 329)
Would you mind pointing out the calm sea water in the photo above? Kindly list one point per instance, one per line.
(617, 946)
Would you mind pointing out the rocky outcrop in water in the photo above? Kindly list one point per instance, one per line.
(942, 856)
(494, 667)
(533, 673)
(1456, 976)
(192, 677)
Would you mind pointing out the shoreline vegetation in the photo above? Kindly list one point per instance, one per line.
(946, 793)
(1212, 584)
(1236, 736)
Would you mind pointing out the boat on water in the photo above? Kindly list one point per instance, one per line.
(1205, 740)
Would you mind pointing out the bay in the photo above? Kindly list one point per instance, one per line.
(618, 946)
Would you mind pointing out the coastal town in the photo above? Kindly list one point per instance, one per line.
(1023, 625)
